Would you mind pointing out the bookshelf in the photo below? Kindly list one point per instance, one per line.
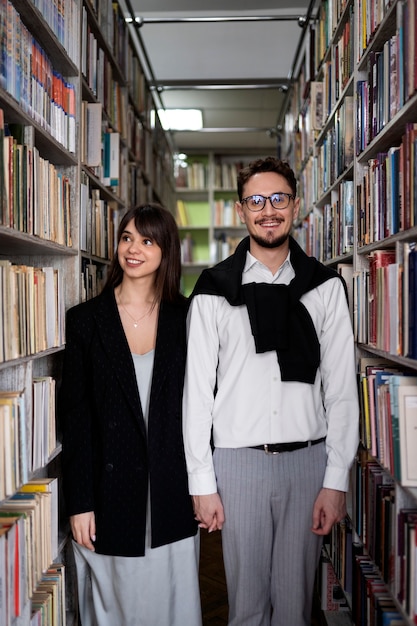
(80, 141)
(206, 193)
(350, 134)
(126, 157)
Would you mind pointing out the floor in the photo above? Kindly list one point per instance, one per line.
(213, 585)
(212, 581)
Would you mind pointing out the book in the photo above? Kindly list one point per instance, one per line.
(346, 271)
(395, 382)
(8, 477)
(331, 593)
(406, 522)
(111, 159)
(383, 417)
(411, 296)
(93, 135)
(316, 109)
(43, 421)
(16, 586)
(411, 50)
(365, 418)
(10, 419)
(4, 201)
(51, 304)
(182, 215)
(347, 221)
(393, 320)
(85, 208)
(407, 417)
(3, 575)
(392, 190)
(348, 131)
(378, 259)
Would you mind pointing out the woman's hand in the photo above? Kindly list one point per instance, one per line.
(83, 527)
(208, 511)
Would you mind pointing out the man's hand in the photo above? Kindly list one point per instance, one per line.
(209, 511)
(329, 508)
(83, 528)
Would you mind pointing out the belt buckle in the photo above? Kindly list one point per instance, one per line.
(266, 445)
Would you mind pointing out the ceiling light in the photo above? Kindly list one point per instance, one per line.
(181, 119)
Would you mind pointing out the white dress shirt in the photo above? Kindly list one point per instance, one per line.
(252, 405)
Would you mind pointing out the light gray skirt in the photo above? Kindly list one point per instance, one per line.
(158, 589)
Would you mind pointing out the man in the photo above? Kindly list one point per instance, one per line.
(271, 378)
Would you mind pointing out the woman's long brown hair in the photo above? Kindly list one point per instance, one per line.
(154, 221)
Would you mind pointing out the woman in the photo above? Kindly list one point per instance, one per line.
(125, 481)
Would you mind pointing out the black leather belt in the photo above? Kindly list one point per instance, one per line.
(277, 448)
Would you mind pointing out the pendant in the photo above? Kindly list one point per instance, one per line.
(135, 325)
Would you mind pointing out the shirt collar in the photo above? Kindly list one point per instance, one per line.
(252, 262)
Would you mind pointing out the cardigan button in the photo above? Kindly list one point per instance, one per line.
(109, 467)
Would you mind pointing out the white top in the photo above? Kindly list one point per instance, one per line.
(144, 368)
(252, 405)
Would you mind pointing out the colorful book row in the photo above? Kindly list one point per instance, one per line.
(14, 464)
(225, 213)
(388, 417)
(62, 17)
(225, 173)
(391, 78)
(337, 71)
(330, 12)
(27, 74)
(222, 246)
(26, 447)
(35, 196)
(28, 546)
(113, 28)
(385, 521)
(99, 221)
(192, 174)
(385, 301)
(369, 589)
(387, 192)
(98, 70)
(309, 234)
(32, 315)
(335, 152)
(327, 232)
(369, 16)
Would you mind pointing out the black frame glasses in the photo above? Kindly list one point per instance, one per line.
(279, 201)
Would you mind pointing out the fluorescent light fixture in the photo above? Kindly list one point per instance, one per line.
(181, 119)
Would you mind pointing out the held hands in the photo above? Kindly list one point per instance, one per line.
(208, 511)
(83, 527)
(329, 508)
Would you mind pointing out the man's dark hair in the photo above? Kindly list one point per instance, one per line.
(269, 164)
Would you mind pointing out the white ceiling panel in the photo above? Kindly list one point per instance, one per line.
(186, 56)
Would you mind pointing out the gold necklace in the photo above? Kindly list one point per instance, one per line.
(135, 322)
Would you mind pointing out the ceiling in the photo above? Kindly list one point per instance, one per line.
(236, 71)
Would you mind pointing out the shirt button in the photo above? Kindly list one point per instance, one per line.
(109, 467)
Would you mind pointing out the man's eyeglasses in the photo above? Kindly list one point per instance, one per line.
(279, 200)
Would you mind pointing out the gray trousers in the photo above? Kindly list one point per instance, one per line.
(269, 551)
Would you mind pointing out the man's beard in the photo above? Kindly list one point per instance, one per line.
(270, 243)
